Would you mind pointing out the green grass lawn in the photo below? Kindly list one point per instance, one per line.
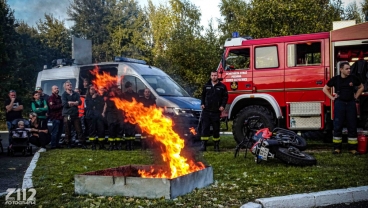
(236, 180)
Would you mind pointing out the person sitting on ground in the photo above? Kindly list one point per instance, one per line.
(39, 132)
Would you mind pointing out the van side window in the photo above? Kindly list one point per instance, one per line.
(304, 54)
(137, 84)
(266, 57)
(238, 59)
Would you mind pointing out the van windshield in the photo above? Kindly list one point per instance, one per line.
(165, 86)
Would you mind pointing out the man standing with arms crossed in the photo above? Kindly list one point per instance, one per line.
(70, 101)
(344, 107)
(14, 109)
(213, 102)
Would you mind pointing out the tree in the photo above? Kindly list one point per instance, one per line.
(268, 18)
(352, 12)
(179, 47)
(90, 21)
(128, 31)
(54, 35)
(9, 47)
(365, 10)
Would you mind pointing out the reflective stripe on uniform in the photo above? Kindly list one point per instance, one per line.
(101, 139)
(204, 138)
(143, 137)
(337, 140)
(130, 138)
(118, 139)
(110, 139)
(216, 139)
(352, 140)
(92, 139)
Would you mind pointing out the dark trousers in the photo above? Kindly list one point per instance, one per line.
(114, 125)
(75, 121)
(209, 118)
(345, 111)
(57, 128)
(129, 129)
(96, 127)
(41, 140)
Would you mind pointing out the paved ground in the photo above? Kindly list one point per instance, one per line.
(12, 169)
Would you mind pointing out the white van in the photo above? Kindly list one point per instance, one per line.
(179, 105)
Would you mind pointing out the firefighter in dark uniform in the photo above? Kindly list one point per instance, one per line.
(213, 102)
(129, 129)
(344, 107)
(94, 115)
(111, 113)
(147, 100)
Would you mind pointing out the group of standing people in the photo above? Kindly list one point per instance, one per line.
(93, 107)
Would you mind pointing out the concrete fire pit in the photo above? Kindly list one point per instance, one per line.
(125, 181)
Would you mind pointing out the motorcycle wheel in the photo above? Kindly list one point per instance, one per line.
(294, 156)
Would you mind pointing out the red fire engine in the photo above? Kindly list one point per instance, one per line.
(280, 79)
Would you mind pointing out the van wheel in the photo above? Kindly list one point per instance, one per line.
(267, 120)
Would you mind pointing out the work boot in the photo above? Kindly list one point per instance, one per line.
(203, 146)
(353, 149)
(217, 146)
(119, 146)
(93, 145)
(111, 147)
(82, 145)
(337, 148)
(101, 145)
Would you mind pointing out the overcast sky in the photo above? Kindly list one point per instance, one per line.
(31, 11)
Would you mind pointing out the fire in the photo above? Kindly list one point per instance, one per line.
(193, 131)
(152, 121)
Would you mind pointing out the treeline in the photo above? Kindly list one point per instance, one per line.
(168, 35)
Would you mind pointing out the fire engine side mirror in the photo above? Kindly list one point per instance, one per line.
(223, 61)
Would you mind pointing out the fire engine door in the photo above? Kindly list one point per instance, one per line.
(237, 75)
(268, 71)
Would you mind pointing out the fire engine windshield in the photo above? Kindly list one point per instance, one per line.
(165, 86)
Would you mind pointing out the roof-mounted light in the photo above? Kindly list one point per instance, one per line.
(125, 59)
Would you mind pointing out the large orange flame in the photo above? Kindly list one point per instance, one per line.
(155, 123)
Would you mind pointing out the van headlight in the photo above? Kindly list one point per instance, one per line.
(183, 112)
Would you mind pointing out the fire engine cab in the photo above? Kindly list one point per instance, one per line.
(280, 79)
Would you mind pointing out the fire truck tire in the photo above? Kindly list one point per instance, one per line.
(267, 120)
(295, 157)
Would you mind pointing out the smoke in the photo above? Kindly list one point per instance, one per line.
(31, 11)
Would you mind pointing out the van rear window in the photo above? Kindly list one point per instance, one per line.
(47, 84)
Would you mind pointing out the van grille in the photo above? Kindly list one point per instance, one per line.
(197, 114)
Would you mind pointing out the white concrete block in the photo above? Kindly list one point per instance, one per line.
(296, 200)
(251, 205)
(338, 196)
(359, 193)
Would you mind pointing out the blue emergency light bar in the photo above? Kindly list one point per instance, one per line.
(125, 59)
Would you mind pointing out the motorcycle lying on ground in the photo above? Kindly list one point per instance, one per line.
(279, 143)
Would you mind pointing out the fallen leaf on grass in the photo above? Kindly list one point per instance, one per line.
(245, 174)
